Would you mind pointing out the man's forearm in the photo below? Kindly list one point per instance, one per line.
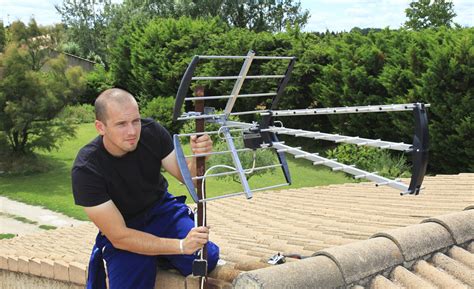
(146, 244)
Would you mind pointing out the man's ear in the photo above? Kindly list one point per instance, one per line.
(100, 127)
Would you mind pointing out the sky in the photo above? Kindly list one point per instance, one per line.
(332, 15)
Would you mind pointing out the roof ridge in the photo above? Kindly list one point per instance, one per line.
(345, 265)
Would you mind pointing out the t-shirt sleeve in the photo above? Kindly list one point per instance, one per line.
(88, 188)
(166, 141)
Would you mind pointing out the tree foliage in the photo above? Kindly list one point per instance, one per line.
(33, 90)
(346, 69)
(86, 24)
(3, 36)
(161, 109)
(448, 84)
(149, 61)
(256, 15)
(424, 14)
(264, 15)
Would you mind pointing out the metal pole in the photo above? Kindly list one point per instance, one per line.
(200, 170)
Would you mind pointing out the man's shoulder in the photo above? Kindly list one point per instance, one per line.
(88, 153)
(150, 123)
(152, 127)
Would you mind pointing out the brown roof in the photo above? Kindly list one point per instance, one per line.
(425, 255)
(306, 220)
(334, 221)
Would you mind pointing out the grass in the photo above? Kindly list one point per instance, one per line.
(303, 174)
(27, 221)
(18, 218)
(47, 227)
(52, 189)
(7, 236)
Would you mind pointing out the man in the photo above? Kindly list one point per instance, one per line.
(117, 179)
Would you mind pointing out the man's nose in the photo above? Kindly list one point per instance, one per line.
(131, 129)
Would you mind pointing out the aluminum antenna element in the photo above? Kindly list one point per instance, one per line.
(263, 135)
(223, 119)
(420, 149)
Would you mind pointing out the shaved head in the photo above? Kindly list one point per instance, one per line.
(115, 95)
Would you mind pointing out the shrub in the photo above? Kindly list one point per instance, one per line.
(161, 109)
(71, 48)
(97, 81)
(333, 69)
(28, 164)
(262, 158)
(81, 113)
(371, 159)
(190, 127)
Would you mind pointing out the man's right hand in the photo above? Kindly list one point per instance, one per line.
(195, 240)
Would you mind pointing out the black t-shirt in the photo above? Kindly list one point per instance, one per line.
(133, 182)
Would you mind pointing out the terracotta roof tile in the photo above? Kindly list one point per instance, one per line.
(419, 240)
(77, 273)
(47, 268)
(406, 279)
(301, 221)
(13, 263)
(461, 255)
(360, 262)
(436, 276)
(34, 266)
(23, 264)
(380, 282)
(456, 224)
(4, 262)
(454, 268)
(61, 270)
(361, 259)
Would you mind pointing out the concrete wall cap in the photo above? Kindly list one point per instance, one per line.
(418, 240)
(314, 272)
(361, 259)
(459, 224)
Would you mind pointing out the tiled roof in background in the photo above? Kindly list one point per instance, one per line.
(306, 220)
(426, 255)
(336, 218)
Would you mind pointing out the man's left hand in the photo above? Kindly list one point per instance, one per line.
(201, 144)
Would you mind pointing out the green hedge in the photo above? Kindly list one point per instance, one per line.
(384, 162)
(346, 69)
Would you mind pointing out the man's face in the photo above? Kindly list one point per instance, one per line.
(121, 130)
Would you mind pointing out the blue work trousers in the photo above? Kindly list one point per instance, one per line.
(171, 218)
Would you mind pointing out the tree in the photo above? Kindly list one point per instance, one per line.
(448, 84)
(33, 29)
(31, 97)
(426, 13)
(3, 36)
(256, 15)
(56, 34)
(154, 57)
(18, 31)
(86, 22)
(30, 36)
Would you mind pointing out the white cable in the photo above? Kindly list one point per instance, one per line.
(253, 164)
(225, 126)
(279, 122)
(201, 253)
